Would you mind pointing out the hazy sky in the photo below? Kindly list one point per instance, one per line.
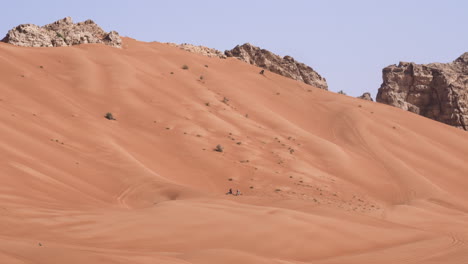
(347, 42)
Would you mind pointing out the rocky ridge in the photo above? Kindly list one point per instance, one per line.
(61, 33)
(66, 33)
(205, 51)
(438, 90)
(285, 66)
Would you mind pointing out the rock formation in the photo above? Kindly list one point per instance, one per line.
(366, 96)
(61, 33)
(285, 66)
(438, 90)
(205, 51)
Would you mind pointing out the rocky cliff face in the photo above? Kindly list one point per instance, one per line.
(438, 90)
(61, 33)
(285, 66)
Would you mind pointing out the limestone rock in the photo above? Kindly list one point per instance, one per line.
(366, 96)
(61, 33)
(438, 90)
(285, 66)
(205, 51)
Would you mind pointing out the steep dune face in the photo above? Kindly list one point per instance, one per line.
(325, 178)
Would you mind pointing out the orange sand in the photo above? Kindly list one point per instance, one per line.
(366, 182)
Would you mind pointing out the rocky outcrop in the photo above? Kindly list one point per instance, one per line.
(205, 51)
(438, 90)
(61, 33)
(285, 66)
(366, 96)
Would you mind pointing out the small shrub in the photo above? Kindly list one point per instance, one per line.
(278, 190)
(201, 77)
(206, 66)
(207, 104)
(219, 148)
(109, 116)
(225, 100)
(185, 67)
(172, 72)
(230, 179)
(251, 187)
(341, 92)
(60, 36)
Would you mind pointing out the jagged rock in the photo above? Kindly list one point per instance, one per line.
(366, 96)
(205, 51)
(285, 66)
(438, 90)
(61, 33)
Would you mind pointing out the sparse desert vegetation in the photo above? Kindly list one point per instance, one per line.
(219, 148)
(109, 116)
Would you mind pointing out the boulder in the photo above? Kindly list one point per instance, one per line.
(366, 96)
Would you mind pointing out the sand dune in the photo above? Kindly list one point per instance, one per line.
(325, 178)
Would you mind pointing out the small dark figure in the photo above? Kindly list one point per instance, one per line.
(262, 72)
(238, 192)
(230, 191)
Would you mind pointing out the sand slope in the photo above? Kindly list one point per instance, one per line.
(325, 178)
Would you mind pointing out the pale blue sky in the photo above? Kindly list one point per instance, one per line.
(347, 42)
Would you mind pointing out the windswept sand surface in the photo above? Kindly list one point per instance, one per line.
(365, 182)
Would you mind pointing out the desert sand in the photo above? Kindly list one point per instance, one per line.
(325, 178)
